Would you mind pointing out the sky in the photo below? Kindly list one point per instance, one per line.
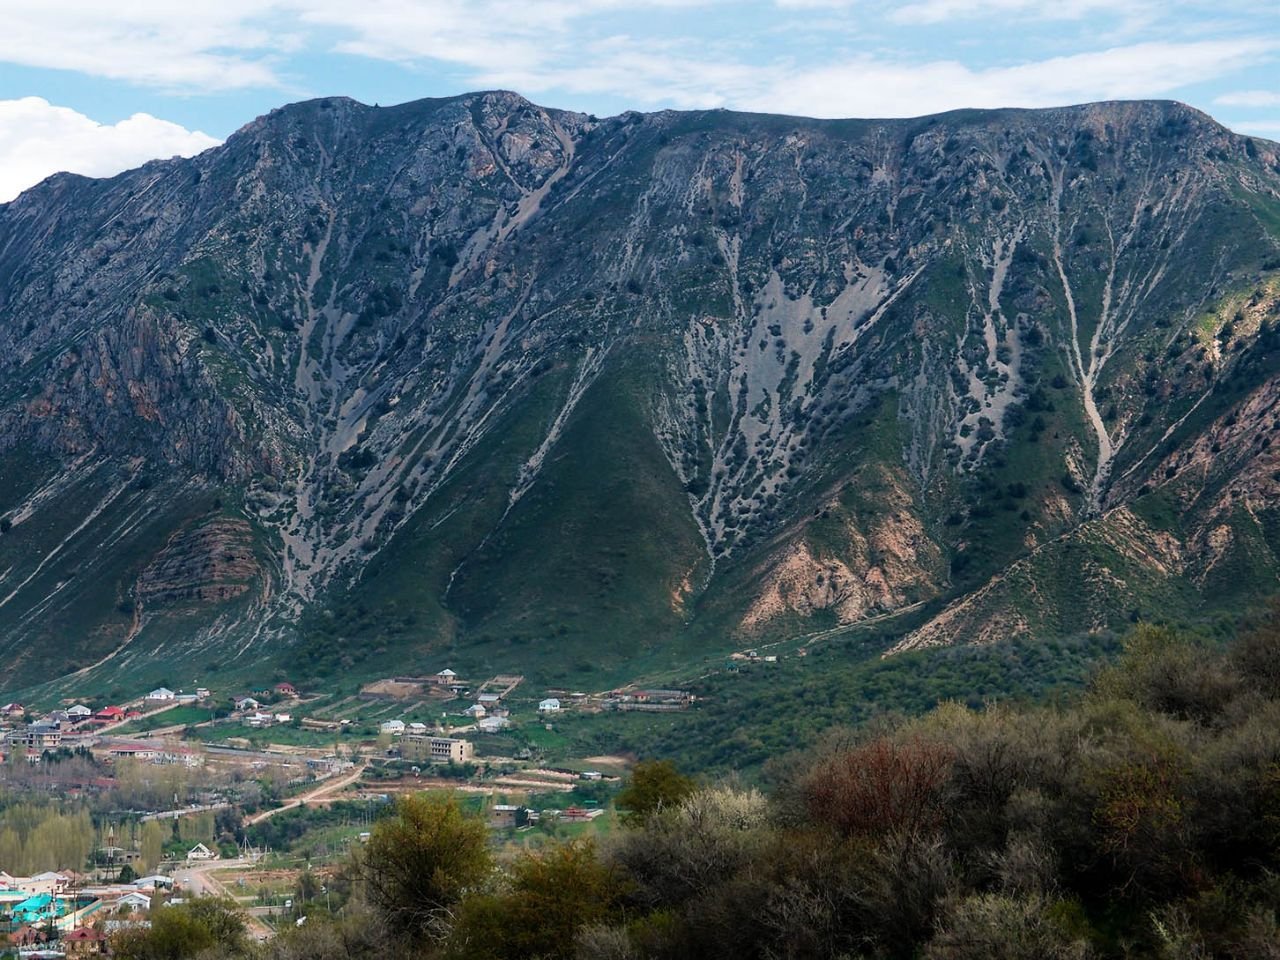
(99, 86)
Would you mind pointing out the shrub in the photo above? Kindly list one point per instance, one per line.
(881, 788)
(419, 863)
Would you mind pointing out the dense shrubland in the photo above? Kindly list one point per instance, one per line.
(1141, 819)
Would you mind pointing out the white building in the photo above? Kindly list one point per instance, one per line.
(79, 712)
(475, 711)
(135, 901)
(201, 852)
(157, 881)
(549, 705)
(392, 727)
(161, 695)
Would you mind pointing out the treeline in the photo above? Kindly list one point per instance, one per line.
(1139, 820)
(36, 837)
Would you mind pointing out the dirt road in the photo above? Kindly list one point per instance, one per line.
(322, 794)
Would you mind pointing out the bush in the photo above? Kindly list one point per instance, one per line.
(418, 864)
(996, 927)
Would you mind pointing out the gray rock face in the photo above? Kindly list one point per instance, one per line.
(496, 374)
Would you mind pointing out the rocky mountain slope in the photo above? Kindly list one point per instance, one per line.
(368, 388)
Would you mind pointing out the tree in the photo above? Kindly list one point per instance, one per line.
(552, 894)
(185, 931)
(420, 862)
(153, 840)
(994, 927)
(655, 785)
(881, 788)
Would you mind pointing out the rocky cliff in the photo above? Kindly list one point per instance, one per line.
(580, 395)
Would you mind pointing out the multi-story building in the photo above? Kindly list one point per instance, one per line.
(449, 750)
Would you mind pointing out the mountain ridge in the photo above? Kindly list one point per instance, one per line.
(808, 366)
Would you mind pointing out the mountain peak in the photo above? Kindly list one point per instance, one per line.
(555, 393)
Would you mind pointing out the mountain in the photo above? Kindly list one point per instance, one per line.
(520, 389)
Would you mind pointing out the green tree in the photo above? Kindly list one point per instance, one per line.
(185, 931)
(420, 862)
(551, 895)
(154, 836)
(654, 785)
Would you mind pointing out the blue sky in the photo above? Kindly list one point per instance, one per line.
(97, 87)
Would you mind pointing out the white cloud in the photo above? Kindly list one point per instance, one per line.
(870, 86)
(878, 88)
(1249, 98)
(38, 139)
(174, 46)
(927, 12)
(1269, 129)
(547, 48)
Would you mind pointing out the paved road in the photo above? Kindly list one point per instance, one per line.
(198, 881)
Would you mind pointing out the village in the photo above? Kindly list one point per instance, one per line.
(212, 780)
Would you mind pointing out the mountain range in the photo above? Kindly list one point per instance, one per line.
(470, 381)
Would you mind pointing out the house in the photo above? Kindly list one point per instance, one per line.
(187, 756)
(157, 881)
(41, 909)
(202, 693)
(445, 677)
(392, 727)
(284, 718)
(110, 714)
(161, 695)
(12, 710)
(489, 698)
(286, 689)
(259, 719)
(245, 704)
(9, 897)
(134, 901)
(492, 724)
(549, 705)
(475, 711)
(132, 714)
(450, 750)
(502, 815)
(84, 942)
(135, 750)
(28, 936)
(79, 712)
(201, 852)
(37, 737)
